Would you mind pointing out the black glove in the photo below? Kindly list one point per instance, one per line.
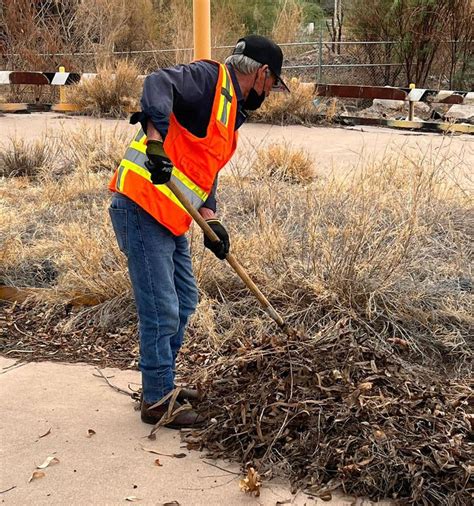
(219, 248)
(158, 163)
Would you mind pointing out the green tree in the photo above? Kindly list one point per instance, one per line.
(313, 12)
(419, 28)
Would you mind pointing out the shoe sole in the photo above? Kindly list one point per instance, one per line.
(153, 421)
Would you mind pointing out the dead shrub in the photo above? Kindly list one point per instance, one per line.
(284, 163)
(331, 110)
(375, 269)
(113, 92)
(21, 158)
(292, 108)
(99, 148)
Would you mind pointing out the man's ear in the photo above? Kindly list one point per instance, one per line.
(263, 72)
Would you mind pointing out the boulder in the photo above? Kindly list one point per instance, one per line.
(388, 104)
(461, 113)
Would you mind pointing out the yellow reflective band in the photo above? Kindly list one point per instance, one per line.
(122, 172)
(228, 106)
(225, 104)
(138, 135)
(145, 174)
(225, 85)
(177, 173)
(228, 86)
(139, 146)
(189, 184)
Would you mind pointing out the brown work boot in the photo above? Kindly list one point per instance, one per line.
(189, 394)
(187, 419)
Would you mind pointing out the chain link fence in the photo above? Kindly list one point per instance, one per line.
(349, 62)
(378, 63)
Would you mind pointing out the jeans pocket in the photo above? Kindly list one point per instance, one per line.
(119, 223)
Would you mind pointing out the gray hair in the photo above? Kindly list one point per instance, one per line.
(242, 63)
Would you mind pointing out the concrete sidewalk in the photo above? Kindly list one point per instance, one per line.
(333, 149)
(111, 465)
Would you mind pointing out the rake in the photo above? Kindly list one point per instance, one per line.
(241, 272)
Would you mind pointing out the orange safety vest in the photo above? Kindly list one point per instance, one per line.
(196, 161)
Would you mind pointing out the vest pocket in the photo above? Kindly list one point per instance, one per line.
(217, 144)
(198, 171)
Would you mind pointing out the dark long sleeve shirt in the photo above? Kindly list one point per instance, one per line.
(188, 91)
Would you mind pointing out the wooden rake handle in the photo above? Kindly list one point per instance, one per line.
(241, 272)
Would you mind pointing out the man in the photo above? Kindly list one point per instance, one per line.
(189, 119)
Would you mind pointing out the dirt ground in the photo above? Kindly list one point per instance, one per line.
(65, 401)
(333, 149)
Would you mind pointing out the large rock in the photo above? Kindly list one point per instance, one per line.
(388, 104)
(463, 113)
(395, 109)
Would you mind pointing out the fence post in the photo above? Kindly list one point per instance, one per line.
(62, 90)
(320, 64)
(411, 105)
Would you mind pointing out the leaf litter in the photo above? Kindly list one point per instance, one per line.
(36, 475)
(336, 410)
(378, 298)
(173, 455)
(47, 433)
(48, 462)
(251, 483)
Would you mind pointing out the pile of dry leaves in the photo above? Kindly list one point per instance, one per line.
(335, 410)
(34, 331)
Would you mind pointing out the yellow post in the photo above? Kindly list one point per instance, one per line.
(411, 105)
(202, 28)
(62, 90)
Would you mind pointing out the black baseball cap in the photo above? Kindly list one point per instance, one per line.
(266, 52)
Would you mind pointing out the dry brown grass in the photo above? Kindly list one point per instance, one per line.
(19, 158)
(283, 163)
(115, 91)
(289, 108)
(63, 201)
(288, 24)
(387, 247)
(376, 269)
(99, 148)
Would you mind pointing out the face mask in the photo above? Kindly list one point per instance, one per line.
(254, 100)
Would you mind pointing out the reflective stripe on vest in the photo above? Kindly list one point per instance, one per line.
(134, 160)
(227, 92)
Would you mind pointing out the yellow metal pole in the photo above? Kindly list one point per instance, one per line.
(411, 105)
(202, 29)
(62, 90)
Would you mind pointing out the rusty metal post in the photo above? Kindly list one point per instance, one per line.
(202, 29)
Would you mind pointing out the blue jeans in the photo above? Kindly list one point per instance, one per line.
(159, 265)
